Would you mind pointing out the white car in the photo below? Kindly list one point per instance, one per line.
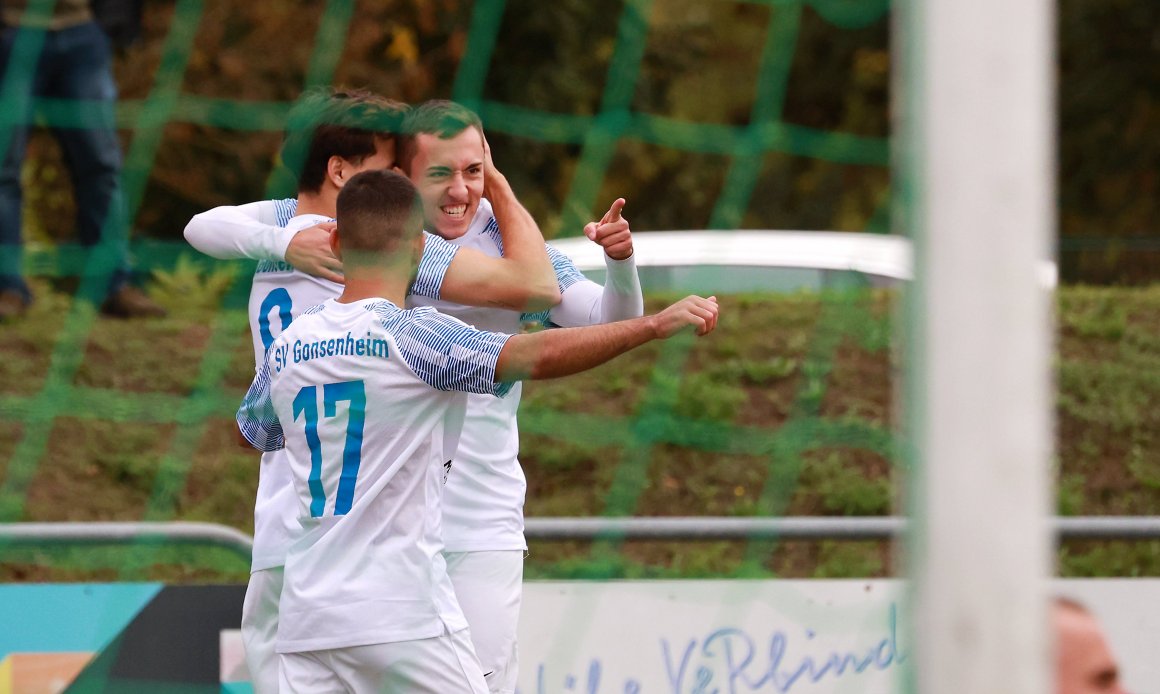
(741, 261)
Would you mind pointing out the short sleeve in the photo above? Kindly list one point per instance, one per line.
(433, 265)
(284, 211)
(447, 353)
(567, 274)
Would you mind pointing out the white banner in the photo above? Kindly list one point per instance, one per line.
(791, 636)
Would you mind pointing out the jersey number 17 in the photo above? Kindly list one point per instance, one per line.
(306, 406)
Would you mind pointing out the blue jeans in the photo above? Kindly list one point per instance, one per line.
(71, 70)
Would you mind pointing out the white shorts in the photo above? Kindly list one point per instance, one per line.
(260, 628)
(441, 665)
(488, 586)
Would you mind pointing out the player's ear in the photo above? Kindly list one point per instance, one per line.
(336, 171)
(335, 244)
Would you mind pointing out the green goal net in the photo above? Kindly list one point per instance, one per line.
(705, 115)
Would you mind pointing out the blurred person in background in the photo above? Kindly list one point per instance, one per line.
(61, 52)
(1084, 660)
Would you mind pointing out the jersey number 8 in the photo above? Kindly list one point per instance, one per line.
(279, 299)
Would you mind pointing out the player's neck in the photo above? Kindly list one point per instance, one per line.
(321, 203)
(374, 283)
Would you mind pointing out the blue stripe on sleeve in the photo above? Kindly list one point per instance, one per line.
(445, 352)
(433, 265)
(284, 210)
(543, 318)
(256, 417)
(567, 275)
(492, 230)
(566, 272)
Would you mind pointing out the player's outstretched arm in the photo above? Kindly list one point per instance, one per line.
(586, 303)
(249, 231)
(523, 279)
(243, 231)
(555, 353)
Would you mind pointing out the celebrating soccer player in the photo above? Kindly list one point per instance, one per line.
(362, 396)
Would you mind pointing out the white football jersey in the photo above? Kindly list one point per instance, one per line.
(484, 500)
(362, 395)
(483, 505)
(278, 295)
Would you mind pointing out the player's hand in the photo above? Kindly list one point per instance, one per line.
(492, 178)
(488, 162)
(691, 312)
(612, 232)
(309, 251)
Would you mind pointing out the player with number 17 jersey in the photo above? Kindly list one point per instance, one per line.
(359, 395)
(278, 295)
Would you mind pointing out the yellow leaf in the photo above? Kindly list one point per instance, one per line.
(403, 46)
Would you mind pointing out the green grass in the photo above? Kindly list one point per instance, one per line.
(787, 409)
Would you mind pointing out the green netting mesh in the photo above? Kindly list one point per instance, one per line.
(44, 399)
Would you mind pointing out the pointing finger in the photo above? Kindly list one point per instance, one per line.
(613, 213)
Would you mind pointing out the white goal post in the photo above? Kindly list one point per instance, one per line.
(975, 90)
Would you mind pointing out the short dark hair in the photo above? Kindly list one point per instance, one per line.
(439, 117)
(325, 123)
(377, 211)
(1063, 602)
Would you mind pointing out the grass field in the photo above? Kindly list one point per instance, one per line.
(786, 410)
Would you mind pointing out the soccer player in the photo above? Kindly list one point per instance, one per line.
(445, 156)
(330, 138)
(483, 518)
(358, 392)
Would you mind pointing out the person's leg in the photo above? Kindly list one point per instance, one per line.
(15, 295)
(308, 673)
(19, 54)
(82, 73)
(489, 586)
(427, 666)
(260, 628)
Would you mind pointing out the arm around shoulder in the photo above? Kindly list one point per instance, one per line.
(477, 279)
(244, 231)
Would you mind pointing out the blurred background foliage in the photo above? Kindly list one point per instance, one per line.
(700, 63)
